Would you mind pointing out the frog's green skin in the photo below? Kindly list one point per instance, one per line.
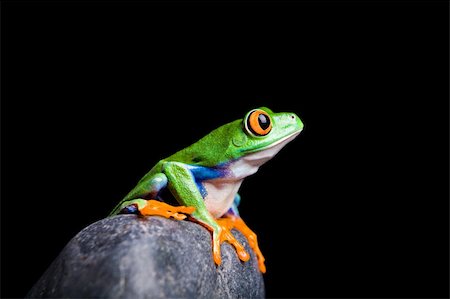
(208, 174)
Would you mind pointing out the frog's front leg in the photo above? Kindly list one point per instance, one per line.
(182, 184)
(231, 219)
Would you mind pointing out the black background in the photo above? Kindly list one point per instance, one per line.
(94, 93)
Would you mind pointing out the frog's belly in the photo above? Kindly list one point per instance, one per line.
(220, 195)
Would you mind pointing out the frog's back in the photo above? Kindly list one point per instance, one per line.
(209, 151)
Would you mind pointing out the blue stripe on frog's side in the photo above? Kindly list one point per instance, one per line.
(202, 173)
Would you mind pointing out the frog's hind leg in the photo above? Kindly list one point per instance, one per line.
(155, 208)
(183, 185)
(147, 188)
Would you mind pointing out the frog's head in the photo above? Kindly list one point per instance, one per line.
(263, 133)
(257, 137)
(264, 129)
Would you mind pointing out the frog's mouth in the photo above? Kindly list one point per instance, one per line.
(262, 155)
(283, 141)
(249, 163)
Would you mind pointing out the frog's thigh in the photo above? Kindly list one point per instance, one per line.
(152, 186)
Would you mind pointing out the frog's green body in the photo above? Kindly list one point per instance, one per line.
(208, 174)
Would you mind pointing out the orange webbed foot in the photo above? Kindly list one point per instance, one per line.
(221, 232)
(158, 208)
(237, 222)
(226, 235)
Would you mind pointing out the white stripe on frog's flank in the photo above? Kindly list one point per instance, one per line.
(221, 191)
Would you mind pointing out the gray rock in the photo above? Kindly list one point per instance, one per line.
(127, 256)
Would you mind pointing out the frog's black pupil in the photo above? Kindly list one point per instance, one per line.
(264, 121)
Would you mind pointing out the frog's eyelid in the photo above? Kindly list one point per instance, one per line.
(245, 122)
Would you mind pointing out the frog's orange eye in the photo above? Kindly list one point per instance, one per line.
(258, 122)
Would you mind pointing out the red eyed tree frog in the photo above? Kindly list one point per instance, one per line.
(204, 178)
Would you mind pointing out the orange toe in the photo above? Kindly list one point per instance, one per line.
(226, 235)
(158, 208)
(239, 224)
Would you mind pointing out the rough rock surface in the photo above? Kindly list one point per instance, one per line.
(127, 256)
